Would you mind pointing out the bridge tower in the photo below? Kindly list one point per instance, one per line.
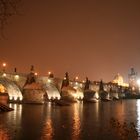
(132, 76)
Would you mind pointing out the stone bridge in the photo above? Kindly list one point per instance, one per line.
(14, 85)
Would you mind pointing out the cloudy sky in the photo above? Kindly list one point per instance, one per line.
(94, 38)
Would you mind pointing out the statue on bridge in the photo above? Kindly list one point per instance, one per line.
(65, 81)
(87, 84)
(31, 76)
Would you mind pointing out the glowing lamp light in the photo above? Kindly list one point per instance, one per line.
(49, 73)
(10, 97)
(76, 78)
(75, 87)
(16, 77)
(97, 95)
(75, 96)
(49, 81)
(138, 82)
(15, 98)
(20, 98)
(4, 74)
(36, 73)
(76, 83)
(81, 85)
(4, 64)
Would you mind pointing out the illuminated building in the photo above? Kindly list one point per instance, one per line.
(132, 78)
(118, 79)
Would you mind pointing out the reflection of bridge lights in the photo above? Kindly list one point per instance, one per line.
(15, 107)
(10, 105)
(10, 97)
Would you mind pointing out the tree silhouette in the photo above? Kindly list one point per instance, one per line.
(8, 8)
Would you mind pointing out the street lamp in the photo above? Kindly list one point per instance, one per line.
(76, 78)
(49, 73)
(4, 66)
(36, 73)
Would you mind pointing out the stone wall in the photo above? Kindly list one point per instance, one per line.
(33, 96)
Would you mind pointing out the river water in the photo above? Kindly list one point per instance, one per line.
(79, 121)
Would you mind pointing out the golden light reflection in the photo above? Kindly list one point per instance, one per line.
(97, 110)
(120, 110)
(138, 115)
(76, 123)
(16, 115)
(47, 131)
(4, 134)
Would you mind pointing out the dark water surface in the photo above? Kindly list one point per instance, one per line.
(76, 122)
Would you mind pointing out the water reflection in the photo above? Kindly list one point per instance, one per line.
(47, 131)
(97, 110)
(138, 115)
(16, 115)
(76, 124)
(4, 135)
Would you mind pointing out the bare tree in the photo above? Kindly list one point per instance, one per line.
(8, 8)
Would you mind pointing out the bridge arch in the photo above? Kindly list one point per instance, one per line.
(52, 91)
(12, 89)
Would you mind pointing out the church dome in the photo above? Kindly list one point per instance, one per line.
(118, 79)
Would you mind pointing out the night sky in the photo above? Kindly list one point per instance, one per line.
(94, 38)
